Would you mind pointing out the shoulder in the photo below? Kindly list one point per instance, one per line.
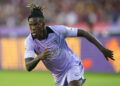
(61, 28)
(28, 40)
(58, 28)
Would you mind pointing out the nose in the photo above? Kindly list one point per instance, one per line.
(33, 27)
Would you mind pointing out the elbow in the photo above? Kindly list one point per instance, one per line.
(28, 69)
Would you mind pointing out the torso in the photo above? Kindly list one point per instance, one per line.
(63, 58)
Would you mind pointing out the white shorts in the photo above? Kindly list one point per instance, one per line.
(75, 73)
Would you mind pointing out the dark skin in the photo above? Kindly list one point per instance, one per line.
(37, 28)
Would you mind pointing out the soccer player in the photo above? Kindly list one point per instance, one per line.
(48, 42)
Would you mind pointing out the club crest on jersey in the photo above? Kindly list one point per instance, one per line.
(69, 28)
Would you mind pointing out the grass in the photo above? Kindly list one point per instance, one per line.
(23, 78)
(100, 79)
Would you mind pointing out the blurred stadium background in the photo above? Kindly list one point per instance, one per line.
(99, 17)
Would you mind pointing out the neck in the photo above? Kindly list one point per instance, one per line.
(44, 36)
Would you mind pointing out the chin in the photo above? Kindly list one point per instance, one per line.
(34, 36)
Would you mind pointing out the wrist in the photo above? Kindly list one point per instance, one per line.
(102, 49)
(38, 57)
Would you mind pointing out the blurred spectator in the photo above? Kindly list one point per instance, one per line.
(67, 16)
(14, 12)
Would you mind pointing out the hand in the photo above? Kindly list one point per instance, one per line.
(108, 54)
(46, 54)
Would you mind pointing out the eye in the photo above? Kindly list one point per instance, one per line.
(35, 24)
(40, 24)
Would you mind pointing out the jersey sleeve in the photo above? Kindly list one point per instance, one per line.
(29, 49)
(65, 31)
(70, 32)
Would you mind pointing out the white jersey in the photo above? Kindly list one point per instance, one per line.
(63, 58)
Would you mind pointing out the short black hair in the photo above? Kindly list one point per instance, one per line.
(36, 12)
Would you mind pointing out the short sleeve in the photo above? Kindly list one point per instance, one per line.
(65, 31)
(71, 32)
(29, 49)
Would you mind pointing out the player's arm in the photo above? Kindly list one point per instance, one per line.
(31, 62)
(106, 52)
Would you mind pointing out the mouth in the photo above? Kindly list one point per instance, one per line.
(34, 33)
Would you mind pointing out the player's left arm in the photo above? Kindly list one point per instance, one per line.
(106, 52)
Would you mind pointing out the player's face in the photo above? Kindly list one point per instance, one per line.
(37, 27)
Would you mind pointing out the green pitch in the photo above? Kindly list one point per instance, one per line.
(22, 78)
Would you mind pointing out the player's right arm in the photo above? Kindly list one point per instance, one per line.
(32, 62)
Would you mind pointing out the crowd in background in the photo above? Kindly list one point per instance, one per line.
(68, 12)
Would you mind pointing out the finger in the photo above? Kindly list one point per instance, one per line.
(48, 58)
(52, 55)
(111, 52)
(110, 55)
(46, 52)
(106, 58)
(49, 55)
(49, 51)
(112, 58)
(46, 49)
